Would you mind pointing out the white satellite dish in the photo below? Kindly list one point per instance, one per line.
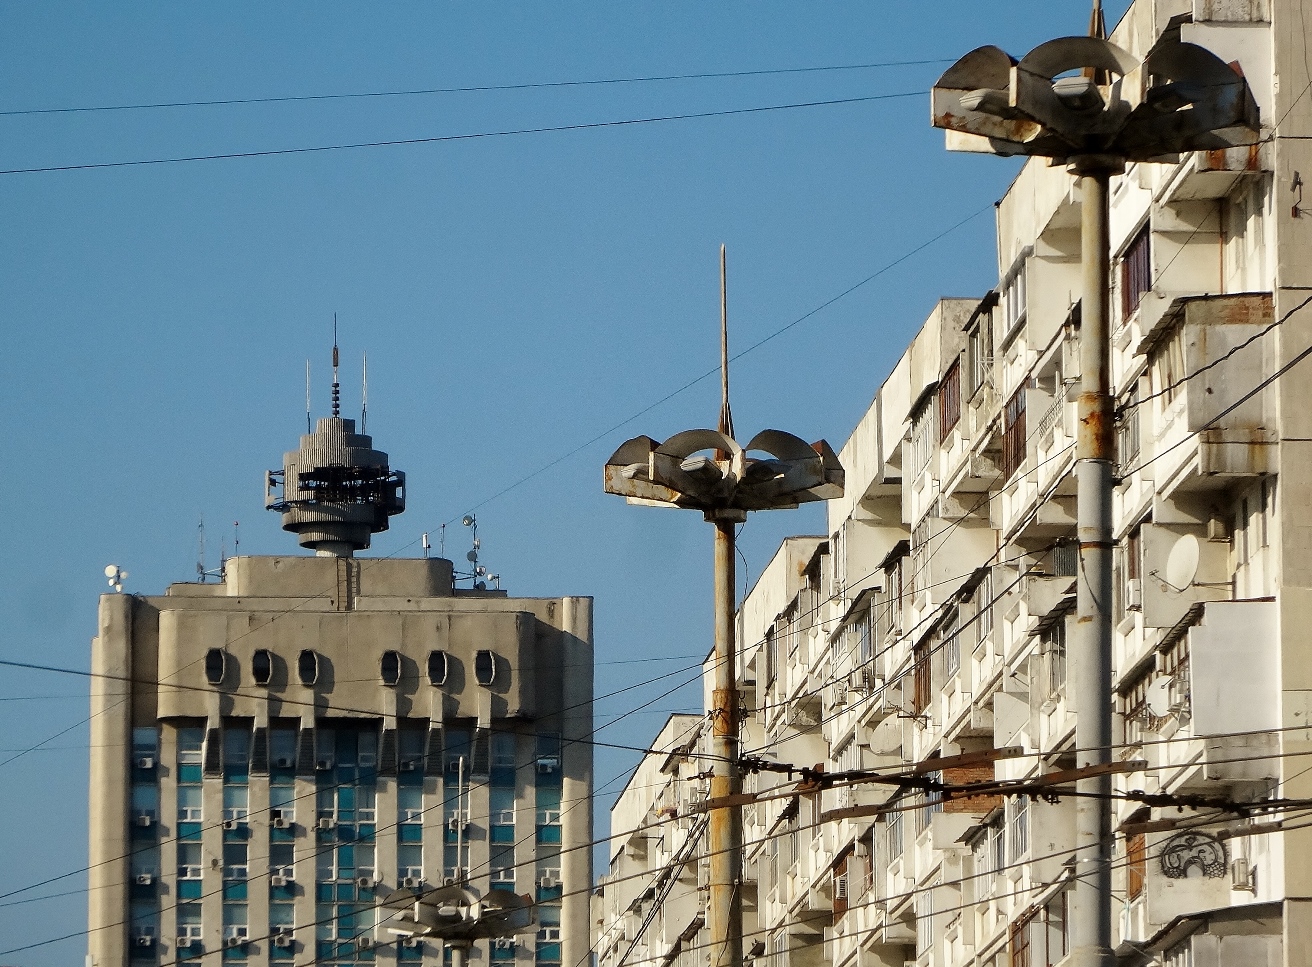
(1158, 696)
(111, 570)
(886, 737)
(1182, 563)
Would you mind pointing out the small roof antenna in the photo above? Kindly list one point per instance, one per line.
(200, 550)
(364, 394)
(337, 387)
(308, 427)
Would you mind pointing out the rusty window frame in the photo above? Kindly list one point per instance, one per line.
(949, 400)
(922, 679)
(1013, 434)
(1136, 272)
(1136, 865)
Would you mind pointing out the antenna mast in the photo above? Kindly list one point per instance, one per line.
(308, 427)
(337, 387)
(364, 394)
(726, 415)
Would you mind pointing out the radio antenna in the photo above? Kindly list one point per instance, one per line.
(364, 394)
(308, 427)
(337, 387)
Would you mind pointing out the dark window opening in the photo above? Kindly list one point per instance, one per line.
(216, 666)
(1136, 272)
(437, 668)
(485, 667)
(262, 666)
(391, 667)
(307, 667)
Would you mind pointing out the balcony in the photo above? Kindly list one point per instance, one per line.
(1199, 433)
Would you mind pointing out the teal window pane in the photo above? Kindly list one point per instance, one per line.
(287, 892)
(190, 775)
(410, 834)
(234, 891)
(506, 952)
(410, 953)
(547, 797)
(548, 953)
(324, 892)
(282, 835)
(346, 891)
(189, 889)
(189, 831)
(503, 834)
(365, 832)
(547, 894)
(548, 834)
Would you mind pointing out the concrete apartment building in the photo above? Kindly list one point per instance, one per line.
(275, 753)
(931, 620)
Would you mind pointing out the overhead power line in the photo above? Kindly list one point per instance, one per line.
(474, 136)
(471, 89)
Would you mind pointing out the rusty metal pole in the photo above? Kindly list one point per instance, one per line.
(726, 822)
(1091, 653)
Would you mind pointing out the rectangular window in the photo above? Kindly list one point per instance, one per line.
(922, 679)
(950, 634)
(1168, 368)
(984, 608)
(981, 353)
(189, 804)
(1054, 657)
(1014, 298)
(236, 803)
(949, 401)
(236, 752)
(1136, 864)
(923, 436)
(1014, 437)
(1018, 828)
(1136, 272)
(1127, 430)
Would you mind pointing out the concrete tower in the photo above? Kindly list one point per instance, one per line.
(274, 754)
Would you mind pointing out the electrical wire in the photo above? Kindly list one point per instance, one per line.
(447, 138)
(474, 89)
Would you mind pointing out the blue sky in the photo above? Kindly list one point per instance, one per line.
(517, 296)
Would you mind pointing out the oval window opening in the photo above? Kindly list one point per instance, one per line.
(262, 666)
(485, 667)
(307, 667)
(216, 666)
(391, 668)
(437, 667)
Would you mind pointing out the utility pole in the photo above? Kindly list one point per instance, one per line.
(708, 470)
(1116, 109)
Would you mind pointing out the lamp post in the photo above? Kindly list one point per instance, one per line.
(708, 470)
(456, 916)
(1116, 109)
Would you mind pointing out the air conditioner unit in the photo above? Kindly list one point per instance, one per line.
(146, 762)
(277, 879)
(279, 822)
(284, 762)
(145, 938)
(145, 879)
(1134, 594)
(450, 881)
(548, 764)
(504, 943)
(232, 824)
(234, 941)
(412, 942)
(363, 943)
(182, 943)
(145, 819)
(549, 934)
(408, 765)
(365, 882)
(1241, 875)
(549, 880)
(282, 940)
(323, 764)
(234, 936)
(326, 822)
(411, 882)
(455, 823)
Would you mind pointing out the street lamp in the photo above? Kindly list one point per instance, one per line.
(457, 916)
(708, 470)
(1087, 103)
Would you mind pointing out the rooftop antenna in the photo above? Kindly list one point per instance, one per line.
(308, 427)
(236, 537)
(426, 545)
(337, 387)
(364, 394)
(203, 573)
(726, 415)
(441, 537)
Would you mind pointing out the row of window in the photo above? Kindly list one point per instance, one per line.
(220, 664)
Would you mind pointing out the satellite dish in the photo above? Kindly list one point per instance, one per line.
(468, 520)
(1182, 563)
(886, 737)
(1158, 696)
(111, 570)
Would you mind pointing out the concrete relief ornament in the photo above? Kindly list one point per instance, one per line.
(1199, 849)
